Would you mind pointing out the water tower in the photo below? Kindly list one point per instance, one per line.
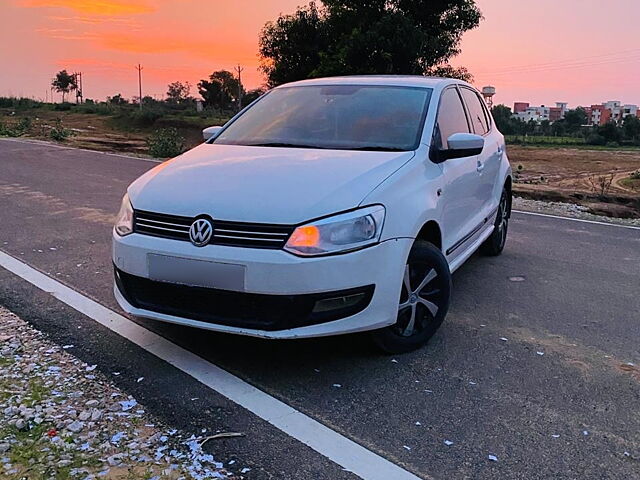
(488, 93)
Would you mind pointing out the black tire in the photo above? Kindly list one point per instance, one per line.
(426, 301)
(494, 245)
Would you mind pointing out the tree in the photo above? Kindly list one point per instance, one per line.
(574, 119)
(545, 127)
(252, 95)
(610, 132)
(178, 92)
(342, 37)
(631, 128)
(220, 91)
(64, 83)
(559, 128)
(117, 99)
(503, 118)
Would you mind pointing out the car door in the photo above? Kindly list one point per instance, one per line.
(460, 193)
(488, 162)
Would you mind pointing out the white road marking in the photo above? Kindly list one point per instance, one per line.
(339, 449)
(575, 219)
(65, 147)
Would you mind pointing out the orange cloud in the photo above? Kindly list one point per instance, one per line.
(158, 43)
(95, 7)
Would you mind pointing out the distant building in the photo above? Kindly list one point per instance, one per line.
(526, 113)
(520, 107)
(611, 111)
(597, 114)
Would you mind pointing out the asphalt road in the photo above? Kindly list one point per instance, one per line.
(537, 371)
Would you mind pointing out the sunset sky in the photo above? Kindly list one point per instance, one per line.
(541, 51)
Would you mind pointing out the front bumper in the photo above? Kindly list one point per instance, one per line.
(276, 273)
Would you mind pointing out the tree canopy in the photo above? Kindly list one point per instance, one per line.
(64, 83)
(344, 37)
(178, 92)
(220, 91)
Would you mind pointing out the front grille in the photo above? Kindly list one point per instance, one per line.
(235, 234)
(237, 309)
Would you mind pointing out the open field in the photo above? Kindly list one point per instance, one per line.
(575, 175)
(111, 129)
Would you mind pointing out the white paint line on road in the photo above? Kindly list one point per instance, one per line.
(65, 147)
(339, 449)
(575, 219)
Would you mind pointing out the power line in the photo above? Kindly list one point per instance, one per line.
(564, 64)
(563, 67)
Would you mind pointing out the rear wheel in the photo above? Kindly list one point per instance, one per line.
(424, 301)
(494, 245)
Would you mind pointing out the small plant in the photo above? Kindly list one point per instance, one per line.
(517, 173)
(22, 127)
(59, 133)
(165, 143)
(601, 184)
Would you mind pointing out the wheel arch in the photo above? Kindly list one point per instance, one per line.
(431, 232)
(508, 185)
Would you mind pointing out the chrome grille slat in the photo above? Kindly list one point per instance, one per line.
(236, 234)
(257, 239)
(142, 219)
(252, 233)
(140, 224)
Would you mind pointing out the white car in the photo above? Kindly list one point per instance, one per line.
(327, 206)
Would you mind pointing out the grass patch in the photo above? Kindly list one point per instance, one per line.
(632, 183)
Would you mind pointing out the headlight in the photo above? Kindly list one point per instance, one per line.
(340, 233)
(124, 220)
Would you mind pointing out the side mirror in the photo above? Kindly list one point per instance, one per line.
(211, 132)
(460, 145)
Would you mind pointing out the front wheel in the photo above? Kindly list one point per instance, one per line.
(424, 301)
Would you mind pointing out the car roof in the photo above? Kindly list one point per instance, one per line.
(385, 80)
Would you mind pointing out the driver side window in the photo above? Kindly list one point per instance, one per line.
(451, 117)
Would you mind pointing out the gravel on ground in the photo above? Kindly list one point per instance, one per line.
(62, 419)
(568, 210)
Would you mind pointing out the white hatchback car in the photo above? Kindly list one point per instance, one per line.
(327, 206)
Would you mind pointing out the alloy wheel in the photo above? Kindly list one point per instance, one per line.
(420, 299)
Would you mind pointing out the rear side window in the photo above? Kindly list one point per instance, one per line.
(451, 117)
(476, 111)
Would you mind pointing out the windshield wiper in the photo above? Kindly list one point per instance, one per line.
(283, 145)
(372, 148)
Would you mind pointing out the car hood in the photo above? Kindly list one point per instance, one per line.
(263, 184)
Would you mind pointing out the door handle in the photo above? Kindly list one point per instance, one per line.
(479, 166)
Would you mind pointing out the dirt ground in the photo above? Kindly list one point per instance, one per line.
(598, 179)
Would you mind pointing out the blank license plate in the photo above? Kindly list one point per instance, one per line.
(196, 273)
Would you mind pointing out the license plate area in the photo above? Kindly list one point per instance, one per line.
(196, 273)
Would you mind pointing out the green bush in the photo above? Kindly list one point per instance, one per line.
(22, 127)
(59, 133)
(92, 107)
(166, 142)
(62, 107)
(19, 103)
(596, 139)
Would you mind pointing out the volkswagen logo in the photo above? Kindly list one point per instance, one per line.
(200, 232)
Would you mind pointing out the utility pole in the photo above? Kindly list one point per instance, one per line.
(239, 70)
(139, 68)
(78, 77)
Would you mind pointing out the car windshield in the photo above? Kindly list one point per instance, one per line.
(349, 117)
